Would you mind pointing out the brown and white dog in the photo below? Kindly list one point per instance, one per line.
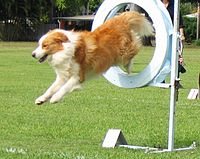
(75, 55)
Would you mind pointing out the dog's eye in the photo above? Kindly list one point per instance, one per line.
(44, 46)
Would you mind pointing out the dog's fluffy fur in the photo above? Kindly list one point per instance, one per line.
(75, 55)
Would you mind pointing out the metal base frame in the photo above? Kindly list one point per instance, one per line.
(115, 138)
(158, 150)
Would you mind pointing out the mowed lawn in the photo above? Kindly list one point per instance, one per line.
(75, 127)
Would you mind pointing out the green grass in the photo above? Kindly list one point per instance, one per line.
(75, 127)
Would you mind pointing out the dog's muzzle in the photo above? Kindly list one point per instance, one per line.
(42, 59)
(33, 54)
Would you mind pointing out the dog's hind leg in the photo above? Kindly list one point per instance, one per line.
(129, 66)
(131, 49)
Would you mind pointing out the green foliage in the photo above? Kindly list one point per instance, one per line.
(17, 16)
(189, 1)
(94, 4)
(187, 8)
(60, 4)
(22, 10)
(190, 28)
(20, 14)
(197, 42)
(69, 8)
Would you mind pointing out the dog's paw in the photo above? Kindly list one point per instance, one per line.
(40, 100)
(55, 98)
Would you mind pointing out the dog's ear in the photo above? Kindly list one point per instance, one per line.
(60, 37)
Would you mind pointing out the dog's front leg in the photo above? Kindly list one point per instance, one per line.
(51, 90)
(72, 84)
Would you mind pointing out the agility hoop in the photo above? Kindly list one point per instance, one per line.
(164, 60)
(163, 28)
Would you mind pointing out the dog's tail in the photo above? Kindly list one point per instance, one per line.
(138, 23)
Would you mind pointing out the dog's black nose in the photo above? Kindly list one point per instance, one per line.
(33, 54)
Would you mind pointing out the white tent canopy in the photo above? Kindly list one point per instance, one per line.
(193, 15)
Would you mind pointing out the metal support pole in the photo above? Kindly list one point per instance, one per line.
(174, 72)
(199, 87)
(198, 20)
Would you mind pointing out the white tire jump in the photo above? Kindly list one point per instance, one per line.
(163, 28)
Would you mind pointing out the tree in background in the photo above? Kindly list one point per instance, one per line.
(16, 16)
(76, 7)
(19, 15)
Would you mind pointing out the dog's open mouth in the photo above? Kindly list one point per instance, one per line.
(43, 58)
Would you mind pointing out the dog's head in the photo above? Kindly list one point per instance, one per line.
(50, 43)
